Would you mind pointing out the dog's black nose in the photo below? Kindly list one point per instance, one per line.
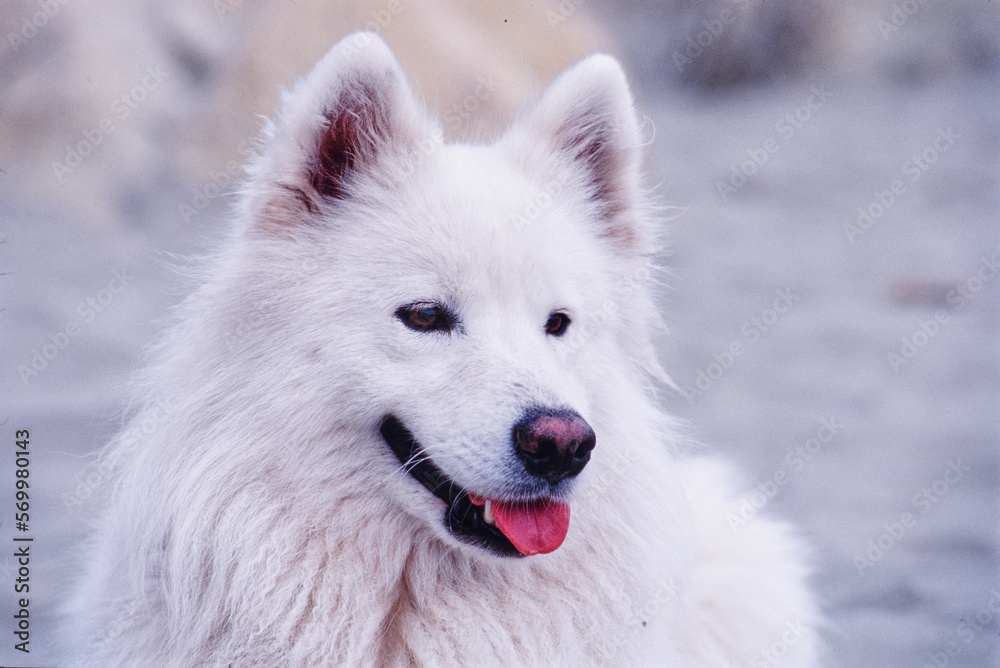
(553, 444)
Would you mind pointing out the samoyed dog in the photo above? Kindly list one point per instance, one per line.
(409, 419)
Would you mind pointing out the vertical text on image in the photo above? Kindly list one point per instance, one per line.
(22, 541)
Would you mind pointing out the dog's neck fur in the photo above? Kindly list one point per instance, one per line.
(424, 602)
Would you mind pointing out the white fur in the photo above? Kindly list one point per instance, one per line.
(264, 521)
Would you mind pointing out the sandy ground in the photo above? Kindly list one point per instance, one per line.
(852, 372)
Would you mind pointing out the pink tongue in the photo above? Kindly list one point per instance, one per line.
(534, 528)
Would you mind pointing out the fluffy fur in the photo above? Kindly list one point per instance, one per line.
(265, 522)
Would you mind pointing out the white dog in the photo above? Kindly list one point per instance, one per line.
(409, 419)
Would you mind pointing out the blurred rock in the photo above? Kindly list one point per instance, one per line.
(115, 111)
(109, 133)
(717, 44)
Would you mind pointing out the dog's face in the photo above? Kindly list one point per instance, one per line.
(471, 302)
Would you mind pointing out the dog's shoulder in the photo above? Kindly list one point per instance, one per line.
(750, 595)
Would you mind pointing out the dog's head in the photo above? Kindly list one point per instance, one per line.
(477, 310)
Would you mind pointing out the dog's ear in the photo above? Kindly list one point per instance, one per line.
(352, 111)
(586, 120)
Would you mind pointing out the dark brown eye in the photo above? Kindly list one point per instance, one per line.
(556, 324)
(425, 317)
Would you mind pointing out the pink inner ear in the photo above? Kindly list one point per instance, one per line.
(599, 141)
(592, 144)
(356, 128)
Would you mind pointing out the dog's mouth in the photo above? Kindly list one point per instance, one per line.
(507, 528)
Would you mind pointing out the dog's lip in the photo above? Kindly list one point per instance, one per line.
(463, 518)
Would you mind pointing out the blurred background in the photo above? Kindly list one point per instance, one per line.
(831, 175)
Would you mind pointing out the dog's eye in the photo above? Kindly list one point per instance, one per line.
(425, 317)
(556, 324)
